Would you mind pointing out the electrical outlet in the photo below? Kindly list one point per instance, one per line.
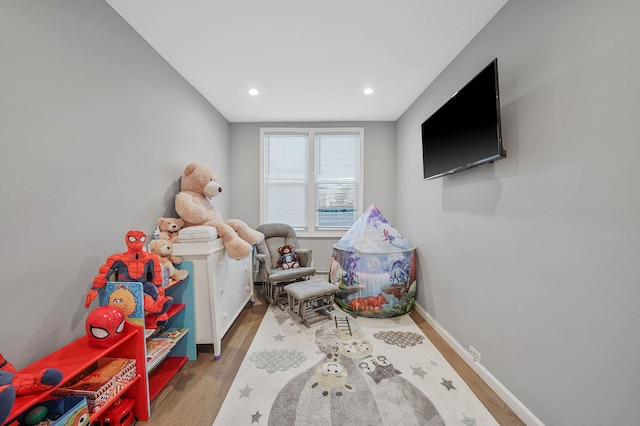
(475, 354)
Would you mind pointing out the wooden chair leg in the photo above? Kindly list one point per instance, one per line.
(303, 312)
(270, 293)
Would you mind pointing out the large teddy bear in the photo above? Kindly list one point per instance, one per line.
(197, 187)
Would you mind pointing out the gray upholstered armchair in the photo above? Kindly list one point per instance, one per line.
(270, 271)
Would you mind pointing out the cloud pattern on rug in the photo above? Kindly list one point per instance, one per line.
(277, 360)
(401, 339)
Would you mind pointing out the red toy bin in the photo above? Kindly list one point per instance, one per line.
(119, 414)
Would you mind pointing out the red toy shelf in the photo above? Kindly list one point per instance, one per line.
(75, 357)
(161, 375)
(175, 308)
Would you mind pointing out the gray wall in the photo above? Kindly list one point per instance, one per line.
(95, 130)
(534, 260)
(379, 175)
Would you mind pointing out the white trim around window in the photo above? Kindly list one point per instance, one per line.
(318, 173)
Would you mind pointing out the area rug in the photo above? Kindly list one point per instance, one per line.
(347, 371)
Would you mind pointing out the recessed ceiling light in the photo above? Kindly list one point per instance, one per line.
(368, 91)
(253, 92)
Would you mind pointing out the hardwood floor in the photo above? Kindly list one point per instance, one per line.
(194, 396)
(498, 409)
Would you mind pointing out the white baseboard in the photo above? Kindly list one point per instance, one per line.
(514, 403)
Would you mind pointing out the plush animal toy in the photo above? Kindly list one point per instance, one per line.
(197, 187)
(169, 228)
(13, 383)
(164, 250)
(155, 319)
(134, 265)
(288, 259)
(7, 395)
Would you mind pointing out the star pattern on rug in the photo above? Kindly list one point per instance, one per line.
(255, 418)
(279, 315)
(279, 338)
(448, 384)
(468, 421)
(418, 371)
(244, 393)
(435, 364)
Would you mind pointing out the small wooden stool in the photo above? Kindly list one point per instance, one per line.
(311, 300)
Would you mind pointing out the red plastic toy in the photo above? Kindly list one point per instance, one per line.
(104, 326)
(119, 414)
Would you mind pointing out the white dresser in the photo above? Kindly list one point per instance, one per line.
(223, 286)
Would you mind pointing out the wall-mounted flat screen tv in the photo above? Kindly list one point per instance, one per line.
(466, 131)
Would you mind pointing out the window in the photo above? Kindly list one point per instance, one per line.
(311, 178)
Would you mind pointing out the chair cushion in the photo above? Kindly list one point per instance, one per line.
(281, 275)
(273, 244)
(277, 235)
(304, 290)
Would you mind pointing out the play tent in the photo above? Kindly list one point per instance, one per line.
(375, 268)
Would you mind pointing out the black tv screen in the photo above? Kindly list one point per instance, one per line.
(466, 131)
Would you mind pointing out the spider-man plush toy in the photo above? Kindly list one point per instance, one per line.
(135, 265)
(14, 383)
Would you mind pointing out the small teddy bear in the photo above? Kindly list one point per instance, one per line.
(164, 250)
(288, 259)
(169, 228)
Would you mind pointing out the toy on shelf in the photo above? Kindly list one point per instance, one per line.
(60, 411)
(127, 296)
(7, 395)
(288, 258)
(169, 228)
(160, 316)
(104, 326)
(134, 265)
(119, 414)
(164, 250)
(26, 383)
(14, 383)
(197, 187)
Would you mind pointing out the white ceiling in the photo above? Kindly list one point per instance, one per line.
(309, 59)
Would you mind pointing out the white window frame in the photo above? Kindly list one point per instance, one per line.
(312, 232)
